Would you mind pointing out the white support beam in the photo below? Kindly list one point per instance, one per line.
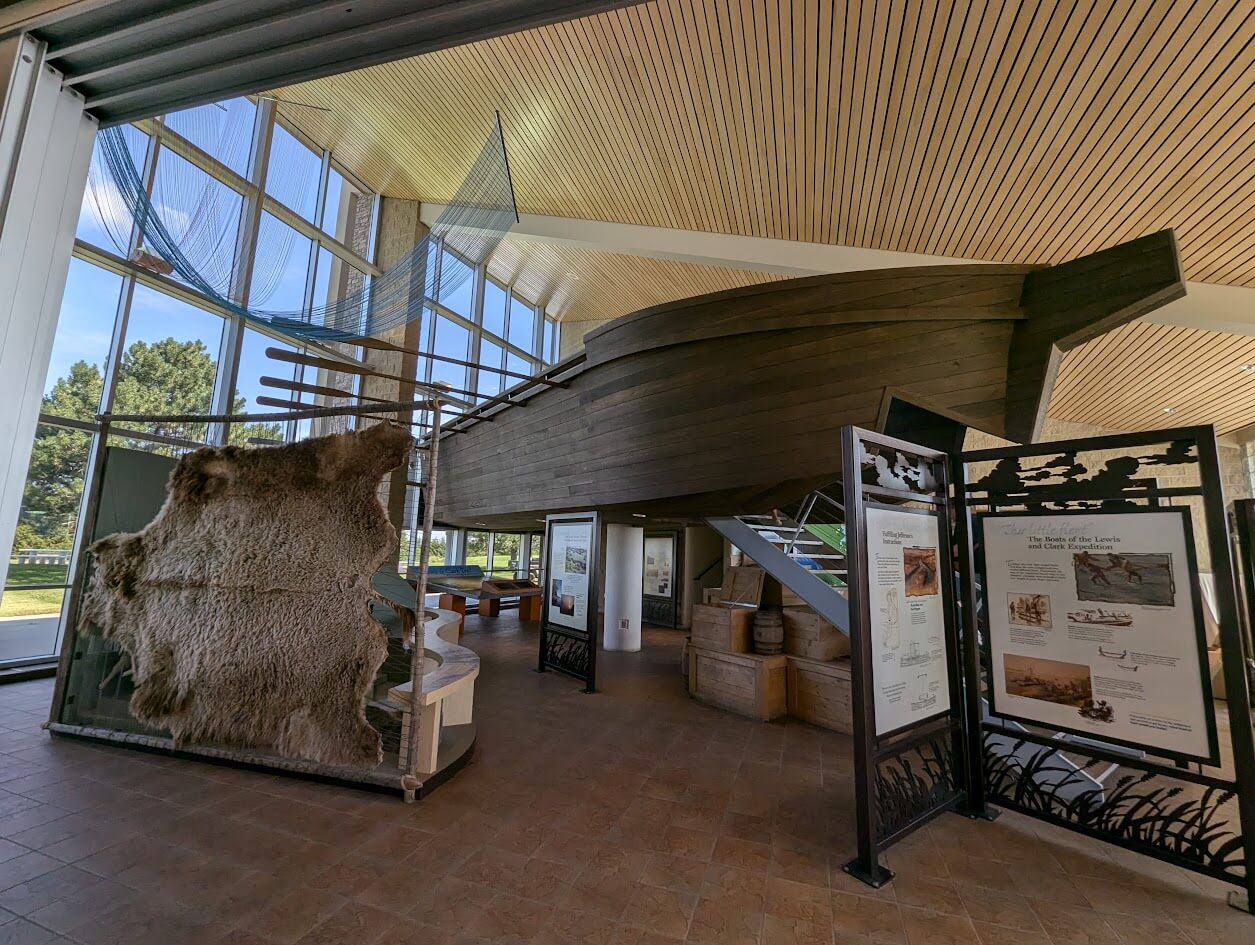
(45, 149)
(1213, 307)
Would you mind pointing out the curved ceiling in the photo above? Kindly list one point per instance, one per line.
(996, 130)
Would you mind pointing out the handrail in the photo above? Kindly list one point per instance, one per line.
(535, 384)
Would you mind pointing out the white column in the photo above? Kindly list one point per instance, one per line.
(45, 150)
(625, 573)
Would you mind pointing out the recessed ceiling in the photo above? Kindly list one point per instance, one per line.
(1147, 376)
(582, 285)
(1020, 132)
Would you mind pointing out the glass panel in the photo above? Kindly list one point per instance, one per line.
(477, 549)
(41, 545)
(346, 212)
(546, 350)
(494, 308)
(506, 551)
(519, 366)
(282, 263)
(201, 213)
(334, 280)
(84, 330)
(489, 383)
(224, 130)
(457, 284)
(254, 365)
(103, 218)
(439, 547)
(522, 324)
(452, 341)
(169, 362)
(292, 173)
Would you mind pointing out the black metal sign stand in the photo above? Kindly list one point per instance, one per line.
(903, 778)
(1196, 817)
(571, 649)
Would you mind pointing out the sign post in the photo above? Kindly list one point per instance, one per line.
(905, 679)
(569, 628)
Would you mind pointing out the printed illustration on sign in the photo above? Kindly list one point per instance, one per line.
(576, 560)
(1124, 578)
(1050, 680)
(1029, 610)
(891, 626)
(919, 565)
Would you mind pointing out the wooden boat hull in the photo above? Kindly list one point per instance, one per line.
(733, 402)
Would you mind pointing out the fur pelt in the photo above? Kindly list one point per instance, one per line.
(244, 604)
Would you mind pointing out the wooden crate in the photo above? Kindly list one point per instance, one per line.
(819, 693)
(710, 595)
(742, 585)
(744, 683)
(730, 629)
(810, 635)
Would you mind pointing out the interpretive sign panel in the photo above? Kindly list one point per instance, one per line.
(1096, 627)
(907, 609)
(570, 557)
(658, 565)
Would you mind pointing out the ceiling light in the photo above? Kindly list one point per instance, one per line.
(638, 515)
(1170, 410)
(1249, 367)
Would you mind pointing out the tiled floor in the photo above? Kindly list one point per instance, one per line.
(634, 816)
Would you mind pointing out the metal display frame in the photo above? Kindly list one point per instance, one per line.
(1161, 808)
(904, 778)
(567, 650)
(657, 610)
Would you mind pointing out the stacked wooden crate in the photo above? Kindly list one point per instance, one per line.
(811, 681)
(722, 669)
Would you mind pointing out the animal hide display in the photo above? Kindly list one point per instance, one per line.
(244, 604)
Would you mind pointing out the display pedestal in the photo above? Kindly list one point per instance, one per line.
(490, 606)
(529, 607)
(457, 604)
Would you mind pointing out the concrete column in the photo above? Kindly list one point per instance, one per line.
(625, 573)
(45, 151)
(399, 230)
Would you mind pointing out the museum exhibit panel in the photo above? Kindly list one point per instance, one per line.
(627, 471)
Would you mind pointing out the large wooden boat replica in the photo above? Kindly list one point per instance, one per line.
(732, 402)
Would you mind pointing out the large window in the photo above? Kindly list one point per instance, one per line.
(129, 343)
(491, 325)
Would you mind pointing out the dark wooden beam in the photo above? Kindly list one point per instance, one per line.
(1071, 303)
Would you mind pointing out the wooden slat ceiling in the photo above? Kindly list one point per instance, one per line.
(582, 285)
(994, 129)
(1146, 376)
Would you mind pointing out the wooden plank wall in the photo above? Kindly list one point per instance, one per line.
(743, 391)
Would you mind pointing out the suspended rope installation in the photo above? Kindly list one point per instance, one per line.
(474, 222)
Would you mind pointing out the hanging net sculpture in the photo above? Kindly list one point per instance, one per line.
(189, 222)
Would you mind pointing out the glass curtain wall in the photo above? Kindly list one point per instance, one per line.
(294, 230)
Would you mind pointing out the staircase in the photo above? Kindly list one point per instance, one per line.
(799, 546)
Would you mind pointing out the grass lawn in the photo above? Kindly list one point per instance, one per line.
(16, 602)
(499, 562)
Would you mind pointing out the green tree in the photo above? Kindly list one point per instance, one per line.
(164, 377)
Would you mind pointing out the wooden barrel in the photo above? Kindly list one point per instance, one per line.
(768, 631)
